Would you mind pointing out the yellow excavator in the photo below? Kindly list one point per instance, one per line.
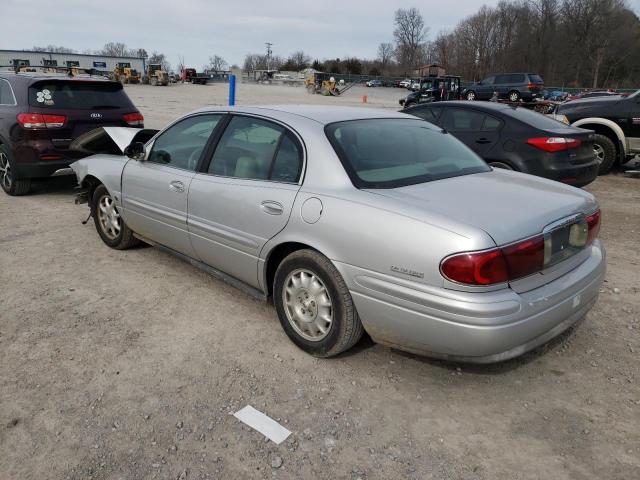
(123, 73)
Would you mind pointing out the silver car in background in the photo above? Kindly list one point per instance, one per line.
(356, 220)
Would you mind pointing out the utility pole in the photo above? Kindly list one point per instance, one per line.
(269, 52)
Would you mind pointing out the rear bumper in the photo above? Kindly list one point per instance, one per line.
(474, 327)
(558, 167)
(28, 162)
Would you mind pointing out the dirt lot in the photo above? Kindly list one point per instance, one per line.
(128, 364)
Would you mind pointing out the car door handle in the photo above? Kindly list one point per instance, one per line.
(271, 207)
(483, 140)
(176, 186)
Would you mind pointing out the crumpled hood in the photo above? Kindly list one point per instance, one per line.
(93, 142)
(507, 205)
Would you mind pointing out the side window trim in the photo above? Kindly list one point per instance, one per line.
(13, 95)
(206, 160)
(151, 143)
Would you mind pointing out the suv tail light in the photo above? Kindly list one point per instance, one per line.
(554, 144)
(531, 86)
(507, 263)
(34, 121)
(134, 119)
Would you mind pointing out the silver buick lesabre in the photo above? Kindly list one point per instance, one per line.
(355, 220)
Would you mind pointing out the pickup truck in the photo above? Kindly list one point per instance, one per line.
(616, 121)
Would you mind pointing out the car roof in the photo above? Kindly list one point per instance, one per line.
(323, 114)
(478, 105)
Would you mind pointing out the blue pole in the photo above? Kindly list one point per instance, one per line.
(232, 90)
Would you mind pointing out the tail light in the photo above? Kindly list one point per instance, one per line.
(506, 263)
(531, 86)
(134, 119)
(593, 223)
(554, 144)
(35, 121)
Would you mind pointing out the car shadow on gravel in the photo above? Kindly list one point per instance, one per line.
(57, 186)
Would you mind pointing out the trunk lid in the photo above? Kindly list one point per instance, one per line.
(509, 206)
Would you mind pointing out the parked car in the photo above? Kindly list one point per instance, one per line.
(355, 220)
(374, 83)
(41, 114)
(591, 94)
(415, 85)
(406, 83)
(616, 121)
(516, 138)
(555, 95)
(510, 86)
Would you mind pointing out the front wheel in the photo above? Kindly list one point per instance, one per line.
(471, 96)
(109, 224)
(314, 305)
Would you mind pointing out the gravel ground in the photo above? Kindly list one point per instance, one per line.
(128, 365)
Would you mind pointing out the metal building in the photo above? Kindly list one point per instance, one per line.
(101, 63)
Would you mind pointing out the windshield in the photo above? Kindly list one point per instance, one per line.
(391, 153)
(77, 95)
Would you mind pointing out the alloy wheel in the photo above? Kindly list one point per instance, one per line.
(109, 218)
(514, 97)
(307, 304)
(471, 96)
(5, 172)
(599, 152)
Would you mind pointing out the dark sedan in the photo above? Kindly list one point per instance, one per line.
(517, 139)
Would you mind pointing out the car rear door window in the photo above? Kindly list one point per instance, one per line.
(6, 93)
(182, 144)
(502, 79)
(491, 124)
(462, 120)
(78, 95)
(256, 149)
(516, 78)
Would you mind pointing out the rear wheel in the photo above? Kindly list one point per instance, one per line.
(109, 224)
(10, 185)
(605, 152)
(470, 95)
(314, 305)
(514, 96)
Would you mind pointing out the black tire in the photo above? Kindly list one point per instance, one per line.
(345, 329)
(124, 238)
(513, 96)
(11, 186)
(470, 95)
(606, 153)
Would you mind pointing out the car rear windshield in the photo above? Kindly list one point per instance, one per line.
(534, 119)
(78, 95)
(535, 78)
(391, 153)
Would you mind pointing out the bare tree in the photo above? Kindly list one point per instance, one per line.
(299, 60)
(114, 49)
(410, 32)
(385, 55)
(217, 63)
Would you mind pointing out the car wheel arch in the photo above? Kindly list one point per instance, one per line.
(275, 257)
(91, 183)
(604, 127)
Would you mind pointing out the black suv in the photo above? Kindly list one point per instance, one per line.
(510, 86)
(41, 114)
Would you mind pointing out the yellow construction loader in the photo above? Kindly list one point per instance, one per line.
(325, 84)
(123, 73)
(155, 75)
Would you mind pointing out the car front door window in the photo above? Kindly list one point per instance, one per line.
(182, 144)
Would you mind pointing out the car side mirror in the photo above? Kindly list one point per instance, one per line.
(135, 151)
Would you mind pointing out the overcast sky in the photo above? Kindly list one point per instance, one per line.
(200, 28)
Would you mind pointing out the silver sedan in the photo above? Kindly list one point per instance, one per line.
(354, 220)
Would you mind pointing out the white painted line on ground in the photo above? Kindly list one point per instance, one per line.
(262, 423)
